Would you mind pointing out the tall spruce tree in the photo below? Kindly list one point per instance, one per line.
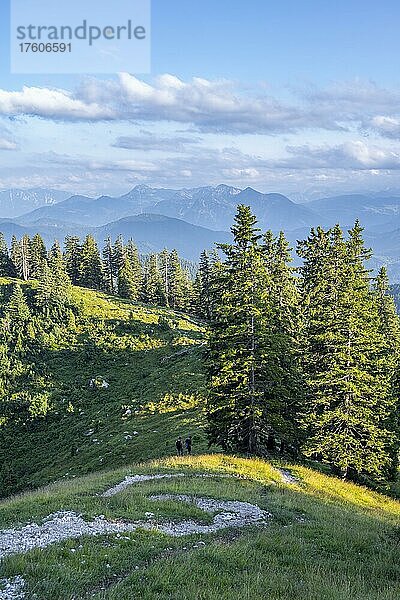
(203, 287)
(38, 256)
(6, 266)
(178, 283)
(44, 292)
(236, 363)
(108, 266)
(132, 254)
(163, 261)
(16, 320)
(25, 265)
(55, 251)
(152, 289)
(17, 308)
(284, 390)
(389, 327)
(53, 292)
(126, 283)
(91, 268)
(118, 256)
(347, 397)
(73, 258)
(21, 256)
(15, 255)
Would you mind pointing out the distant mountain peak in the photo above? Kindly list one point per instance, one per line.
(222, 187)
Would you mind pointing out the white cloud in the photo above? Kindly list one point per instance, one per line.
(386, 126)
(6, 144)
(212, 106)
(239, 174)
(172, 152)
(353, 99)
(51, 104)
(356, 155)
(209, 105)
(149, 142)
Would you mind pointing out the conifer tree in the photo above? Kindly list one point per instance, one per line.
(348, 397)
(44, 292)
(284, 392)
(236, 364)
(203, 287)
(389, 327)
(16, 319)
(20, 256)
(38, 256)
(15, 255)
(178, 288)
(126, 283)
(25, 267)
(17, 308)
(73, 258)
(132, 254)
(108, 266)
(6, 265)
(55, 251)
(153, 292)
(118, 256)
(164, 268)
(53, 292)
(91, 268)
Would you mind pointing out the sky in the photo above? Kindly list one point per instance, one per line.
(300, 97)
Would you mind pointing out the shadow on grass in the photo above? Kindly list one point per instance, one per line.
(90, 429)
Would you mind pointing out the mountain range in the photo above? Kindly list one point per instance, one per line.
(15, 202)
(194, 218)
(211, 207)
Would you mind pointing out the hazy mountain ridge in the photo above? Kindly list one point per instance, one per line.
(211, 207)
(159, 217)
(152, 233)
(15, 202)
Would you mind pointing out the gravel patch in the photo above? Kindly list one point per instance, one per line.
(133, 479)
(12, 589)
(230, 513)
(66, 525)
(56, 528)
(287, 477)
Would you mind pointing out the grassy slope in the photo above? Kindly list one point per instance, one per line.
(142, 361)
(327, 539)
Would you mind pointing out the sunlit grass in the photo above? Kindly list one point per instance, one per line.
(326, 539)
(255, 469)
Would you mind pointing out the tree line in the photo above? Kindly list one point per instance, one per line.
(303, 361)
(158, 278)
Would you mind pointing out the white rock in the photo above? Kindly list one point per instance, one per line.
(12, 589)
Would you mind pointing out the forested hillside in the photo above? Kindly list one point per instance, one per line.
(100, 383)
(300, 362)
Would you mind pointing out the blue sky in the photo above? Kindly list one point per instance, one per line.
(301, 97)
